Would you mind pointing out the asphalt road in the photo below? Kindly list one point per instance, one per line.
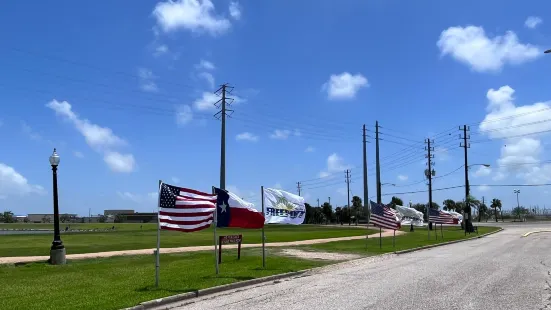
(501, 271)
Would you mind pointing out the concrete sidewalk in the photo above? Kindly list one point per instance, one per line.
(28, 259)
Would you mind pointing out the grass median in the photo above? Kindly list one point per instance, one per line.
(409, 240)
(119, 282)
(131, 237)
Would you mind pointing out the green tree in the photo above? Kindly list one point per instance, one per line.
(7, 217)
(421, 208)
(459, 206)
(338, 214)
(327, 211)
(449, 205)
(102, 218)
(496, 203)
(356, 208)
(395, 201)
(119, 218)
(308, 216)
(64, 218)
(435, 206)
(482, 210)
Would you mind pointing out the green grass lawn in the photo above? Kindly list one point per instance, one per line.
(119, 282)
(130, 237)
(409, 240)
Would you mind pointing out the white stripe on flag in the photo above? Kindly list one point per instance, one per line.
(185, 218)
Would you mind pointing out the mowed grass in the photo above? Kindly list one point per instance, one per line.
(131, 237)
(120, 282)
(406, 241)
(76, 226)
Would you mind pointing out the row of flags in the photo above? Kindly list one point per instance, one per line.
(189, 210)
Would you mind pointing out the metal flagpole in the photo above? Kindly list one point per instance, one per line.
(435, 232)
(215, 241)
(380, 238)
(441, 232)
(394, 239)
(157, 258)
(263, 237)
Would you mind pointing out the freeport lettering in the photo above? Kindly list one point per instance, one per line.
(285, 213)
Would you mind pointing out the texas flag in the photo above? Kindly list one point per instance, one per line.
(233, 211)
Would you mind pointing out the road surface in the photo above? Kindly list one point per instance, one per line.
(501, 271)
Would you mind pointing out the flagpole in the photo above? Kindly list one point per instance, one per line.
(441, 232)
(394, 239)
(215, 241)
(263, 237)
(435, 232)
(380, 238)
(157, 258)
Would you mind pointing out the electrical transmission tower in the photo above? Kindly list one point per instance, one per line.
(223, 104)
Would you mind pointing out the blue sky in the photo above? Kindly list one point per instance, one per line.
(125, 94)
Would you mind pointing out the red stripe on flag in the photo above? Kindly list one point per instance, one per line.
(185, 222)
(184, 214)
(185, 230)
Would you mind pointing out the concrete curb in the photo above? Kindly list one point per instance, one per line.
(535, 232)
(445, 243)
(212, 290)
(217, 289)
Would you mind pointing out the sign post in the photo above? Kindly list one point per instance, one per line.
(231, 239)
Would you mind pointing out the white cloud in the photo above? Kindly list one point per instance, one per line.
(483, 188)
(335, 163)
(120, 162)
(97, 137)
(505, 120)
(344, 85)
(483, 171)
(235, 10)
(129, 196)
(175, 180)
(194, 15)
(246, 136)
(207, 76)
(100, 139)
(402, 177)
(78, 154)
(532, 22)
(205, 65)
(309, 149)
(280, 134)
(160, 50)
(30, 132)
(147, 80)
(470, 45)
(13, 183)
(184, 114)
(206, 102)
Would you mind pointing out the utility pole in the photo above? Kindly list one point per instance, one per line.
(429, 174)
(366, 196)
(298, 188)
(377, 162)
(347, 172)
(517, 191)
(222, 105)
(480, 213)
(329, 200)
(318, 202)
(465, 145)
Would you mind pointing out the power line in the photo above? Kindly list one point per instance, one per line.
(508, 137)
(424, 191)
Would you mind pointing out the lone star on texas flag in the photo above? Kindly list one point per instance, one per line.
(223, 207)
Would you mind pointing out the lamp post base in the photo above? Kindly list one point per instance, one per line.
(57, 257)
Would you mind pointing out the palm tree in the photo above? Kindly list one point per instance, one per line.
(496, 203)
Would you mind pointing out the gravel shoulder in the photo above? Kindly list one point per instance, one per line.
(28, 259)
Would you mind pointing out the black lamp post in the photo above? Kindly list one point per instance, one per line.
(57, 251)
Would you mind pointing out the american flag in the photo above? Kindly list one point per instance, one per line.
(383, 216)
(184, 209)
(440, 217)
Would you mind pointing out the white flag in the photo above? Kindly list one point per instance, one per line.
(407, 216)
(281, 207)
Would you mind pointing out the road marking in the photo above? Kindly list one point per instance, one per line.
(535, 232)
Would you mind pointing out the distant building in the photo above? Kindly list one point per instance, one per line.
(21, 218)
(137, 217)
(40, 218)
(115, 212)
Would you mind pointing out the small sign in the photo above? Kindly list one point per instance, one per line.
(231, 239)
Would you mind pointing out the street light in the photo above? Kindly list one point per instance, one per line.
(547, 51)
(517, 191)
(57, 251)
